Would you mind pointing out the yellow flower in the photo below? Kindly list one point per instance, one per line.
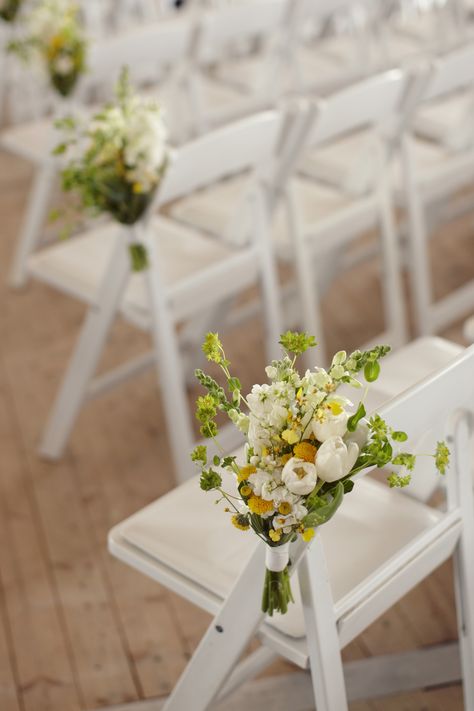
(285, 508)
(274, 535)
(241, 522)
(307, 534)
(285, 458)
(260, 506)
(290, 436)
(335, 408)
(137, 188)
(245, 472)
(246, 490)
(306, 451)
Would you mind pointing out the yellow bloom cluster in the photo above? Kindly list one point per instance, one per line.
(260, 506)
(306, 451)
(245, 472)
(241, 522)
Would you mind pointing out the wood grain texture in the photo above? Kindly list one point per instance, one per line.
(79, 630)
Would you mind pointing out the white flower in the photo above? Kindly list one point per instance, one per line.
(299, 476)
(274, 491)
(360, 435)
(63, 65)
(335, 459)
(292, 519)
(330, 425)
(258, 479)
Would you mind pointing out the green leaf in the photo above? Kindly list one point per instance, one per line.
(353, 421)
(324, 513)
(371, 371)
(348, 485)
(399, 436)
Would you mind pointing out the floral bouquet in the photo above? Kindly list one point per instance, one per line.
(9, 9)
(305, 444)
(55, 36)
(121, 155)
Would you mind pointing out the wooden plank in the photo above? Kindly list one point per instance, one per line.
(43, 663)
(103, 672)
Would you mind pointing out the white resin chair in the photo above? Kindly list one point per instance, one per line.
(223, 85)
(433, 172)
(379, 546)
(189, 279)
(315, 221)
(155, 53)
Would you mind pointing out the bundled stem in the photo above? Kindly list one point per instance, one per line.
(276, 592)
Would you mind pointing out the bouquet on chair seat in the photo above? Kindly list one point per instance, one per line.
(119, 158)
(9, 9)
(55, 36)
(305, 444)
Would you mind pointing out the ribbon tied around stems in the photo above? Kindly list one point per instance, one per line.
(277, 557)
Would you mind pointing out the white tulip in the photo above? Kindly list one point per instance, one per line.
(360, 435)
(330, 425)
(299, 476)
(335, 459)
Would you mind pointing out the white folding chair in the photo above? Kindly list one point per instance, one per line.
(155, 53)
(430, 174)
(322, 222)
(189, 276)
(379, 546)
(222, 31)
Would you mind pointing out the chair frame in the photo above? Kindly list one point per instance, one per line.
(330, 627)
(453, 72)
(206, 154)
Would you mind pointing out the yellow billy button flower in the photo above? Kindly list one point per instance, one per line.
(274, 535)
(137, 188)
(306, 451)
(246, 490)
(285, 508)
(307, 534)
(260, 506)
(245, 472)
(241, 522)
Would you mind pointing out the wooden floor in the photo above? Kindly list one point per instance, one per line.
(79, 630)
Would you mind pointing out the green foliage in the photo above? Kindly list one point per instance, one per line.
(353, 421)
(442, 457)
(398, 481)
(296, 343)
(210, 480)
(199, 454)
(212, 348)
(325, 508)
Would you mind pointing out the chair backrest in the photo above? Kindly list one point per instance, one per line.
(242, 146)
(371, 103)
(227, 27)
(439, 402)
(149, 51)
(453, 72)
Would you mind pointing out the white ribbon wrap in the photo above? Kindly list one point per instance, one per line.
(276, 559)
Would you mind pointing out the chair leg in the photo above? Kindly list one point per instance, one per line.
(223, 643)
(272, 317)
(34, 221)
(321, 631)
(419, 268)
(394, 302)
(464, 560)
(171, 371)
(83, 363)
(305, 277)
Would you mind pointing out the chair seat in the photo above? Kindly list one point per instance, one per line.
(184, 531)
(447, 121)
(32, 141)
(77, 266)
